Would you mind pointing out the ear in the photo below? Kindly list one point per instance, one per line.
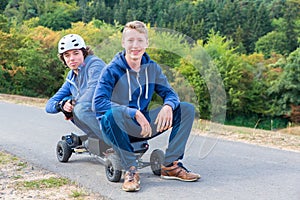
(123, 45)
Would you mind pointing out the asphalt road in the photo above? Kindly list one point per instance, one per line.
(231, 170)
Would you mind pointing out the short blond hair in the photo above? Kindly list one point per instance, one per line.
(136, 25)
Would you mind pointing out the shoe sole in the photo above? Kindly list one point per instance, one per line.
(130, 190)
(177, 178)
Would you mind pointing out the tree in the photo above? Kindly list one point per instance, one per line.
(291, 14)
(273, 42)
(11, 10)
(3, 4)
(61, 17)
(42, 71)
(286, 89)
(4, 24)
(8, 57)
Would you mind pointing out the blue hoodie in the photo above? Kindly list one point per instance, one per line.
(119, 85)
(79, 88)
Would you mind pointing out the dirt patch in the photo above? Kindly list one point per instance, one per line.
(22, 180)
(285, 139)
(30, 101)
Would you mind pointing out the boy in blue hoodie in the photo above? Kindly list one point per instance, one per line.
(121, 101)
(74, 98)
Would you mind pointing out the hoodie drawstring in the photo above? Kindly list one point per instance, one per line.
(129, 85)
(147, 87)
(128, 80)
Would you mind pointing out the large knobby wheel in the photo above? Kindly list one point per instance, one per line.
(113, 168)
(157, 158)
(63, 151)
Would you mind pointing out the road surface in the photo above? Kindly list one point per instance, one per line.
(232, 170)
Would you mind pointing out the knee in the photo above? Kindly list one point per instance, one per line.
(107, 120)
(80, 110)
(187, 108)
(115, 115)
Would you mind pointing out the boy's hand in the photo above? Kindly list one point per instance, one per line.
(164, 118)
(143, 122)
(68, 107)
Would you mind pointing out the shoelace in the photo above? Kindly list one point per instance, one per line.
(131, 175)
(181, 165)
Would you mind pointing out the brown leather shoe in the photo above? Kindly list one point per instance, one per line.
(131, 180)
(178, 172)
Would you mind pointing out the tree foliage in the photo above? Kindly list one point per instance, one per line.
(286, 89)
(249, 20)
(244, 51)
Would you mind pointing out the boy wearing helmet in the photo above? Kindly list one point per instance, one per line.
(74, 98)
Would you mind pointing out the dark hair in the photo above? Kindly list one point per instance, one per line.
(85, 52)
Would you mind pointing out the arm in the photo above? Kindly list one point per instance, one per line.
(104, 93)
(52, 104)
(93, 73)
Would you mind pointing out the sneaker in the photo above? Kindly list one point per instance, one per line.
(178, 172)
(131, 180)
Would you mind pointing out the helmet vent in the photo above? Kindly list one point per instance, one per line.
(71, 41)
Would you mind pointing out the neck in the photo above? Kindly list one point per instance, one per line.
(134, 64)
(75, 71)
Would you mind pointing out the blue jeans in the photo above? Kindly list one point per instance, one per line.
(85, 119)
(121, 131)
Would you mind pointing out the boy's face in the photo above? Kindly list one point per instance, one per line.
(135, 44)
(73, 58)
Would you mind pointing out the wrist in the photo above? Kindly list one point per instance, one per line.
(168, 106)
(58, 107)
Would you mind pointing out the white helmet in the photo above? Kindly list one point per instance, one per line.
(71, 41)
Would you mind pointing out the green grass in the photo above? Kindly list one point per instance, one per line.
(44, 183)
(21, 165)
(17, 177)
(6, 158)
(77, 194)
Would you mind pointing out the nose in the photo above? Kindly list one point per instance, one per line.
(135, 43)
(72, 57)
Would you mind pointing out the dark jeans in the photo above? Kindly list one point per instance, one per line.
(121, 131)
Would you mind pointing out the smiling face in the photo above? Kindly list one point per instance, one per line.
(135, 44)
(73, 59)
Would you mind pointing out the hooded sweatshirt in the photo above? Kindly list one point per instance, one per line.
(120, 86)
(81, 87)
